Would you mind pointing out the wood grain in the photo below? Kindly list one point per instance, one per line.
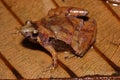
(5, 73)
(31, 60)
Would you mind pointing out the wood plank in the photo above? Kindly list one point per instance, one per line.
(5, 72)
(30, 10)
(90, 64)
(110, 70)
(31, 62)
(115, 9)
(28, 59)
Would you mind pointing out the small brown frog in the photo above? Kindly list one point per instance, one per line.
(62, 29)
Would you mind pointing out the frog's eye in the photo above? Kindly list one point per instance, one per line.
(35, 31)
(34, 34)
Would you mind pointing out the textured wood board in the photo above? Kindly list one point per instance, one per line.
(31, 60)
(5, 73)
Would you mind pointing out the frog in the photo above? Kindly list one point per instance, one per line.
(63, 29)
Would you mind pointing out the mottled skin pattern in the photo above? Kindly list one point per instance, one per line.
(62, 30)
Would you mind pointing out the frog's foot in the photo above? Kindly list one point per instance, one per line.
(69, 57)
(52, 67)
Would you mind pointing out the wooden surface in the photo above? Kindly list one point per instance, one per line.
(21, 59)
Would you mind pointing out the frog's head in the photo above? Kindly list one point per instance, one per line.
(29, 30)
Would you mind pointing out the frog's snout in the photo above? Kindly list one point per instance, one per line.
(25, 32)
(28, 29)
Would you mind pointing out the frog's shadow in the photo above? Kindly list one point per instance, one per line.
(34, 46)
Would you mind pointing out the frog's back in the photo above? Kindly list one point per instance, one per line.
(60, 26)
(77, 34)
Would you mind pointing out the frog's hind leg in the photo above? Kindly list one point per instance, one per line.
(68, 11)
(52, 52)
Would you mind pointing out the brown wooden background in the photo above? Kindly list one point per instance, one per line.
(22, 59)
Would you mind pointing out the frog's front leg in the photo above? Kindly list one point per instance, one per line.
(54, 56)
(68, 11)
(52, 52)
